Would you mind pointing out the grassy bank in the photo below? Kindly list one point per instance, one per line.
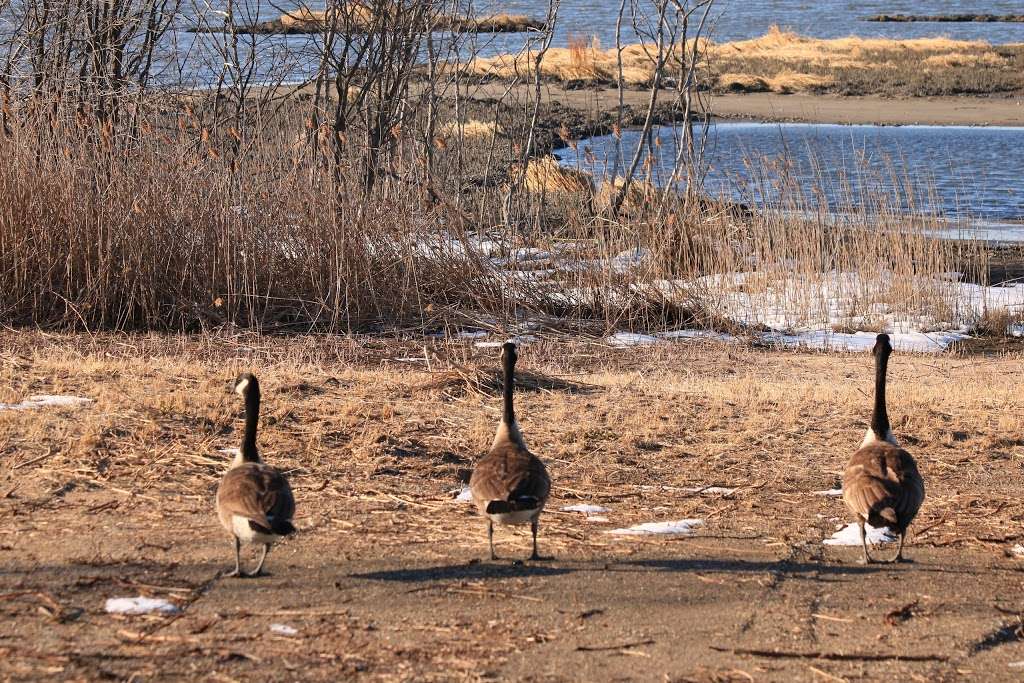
(168, 234)
(784, 62)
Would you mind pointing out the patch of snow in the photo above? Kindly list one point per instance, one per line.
(461, 334)
(696, 334)
(1018, 550)
(530, 254)
(586, 509)
(623, 339)
(630, 259)
(1016, 665)
(46, 401)
(849, 535)
(805, 310)
(140, 605)
(229, 451)
(595, 518)
(831, 493)
(518, 340)
(465, 495)
(918, 342)
(283, 629)
(683, 527)
(709, 489)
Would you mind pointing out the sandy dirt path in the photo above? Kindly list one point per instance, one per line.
(941, 111)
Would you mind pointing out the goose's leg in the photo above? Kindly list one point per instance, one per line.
(263, 558)
(490, 537)
(864, 541)
(899, 550)
(238, 559)
(534, 523)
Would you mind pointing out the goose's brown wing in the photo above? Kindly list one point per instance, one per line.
(257, 492)
(882, 484)
(509, 472)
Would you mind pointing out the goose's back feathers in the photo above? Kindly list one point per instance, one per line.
(882, 485)
(258, 493)
(509, 479)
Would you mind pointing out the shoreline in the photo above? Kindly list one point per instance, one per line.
(796, 108)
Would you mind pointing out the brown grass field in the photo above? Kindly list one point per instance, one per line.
(384, 580)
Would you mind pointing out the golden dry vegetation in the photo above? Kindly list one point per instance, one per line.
(369, 412)
(783, 61)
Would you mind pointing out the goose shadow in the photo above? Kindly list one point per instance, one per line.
(786, 567)
(470, 570)
(501, 570)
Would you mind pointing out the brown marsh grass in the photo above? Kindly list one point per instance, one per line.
(174, 232)
(783, 61)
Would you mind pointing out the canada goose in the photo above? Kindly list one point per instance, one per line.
(881, 484)
(510, 485)
(254, 501)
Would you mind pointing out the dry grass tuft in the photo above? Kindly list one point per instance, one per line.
(733, 82)
(462, 381)
(642, 194)
(471, 130)
(789, 82)
(546, 176)
(963, 59)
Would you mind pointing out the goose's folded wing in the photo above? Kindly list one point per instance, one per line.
(256, 493)
(509, 473)
(865, 494)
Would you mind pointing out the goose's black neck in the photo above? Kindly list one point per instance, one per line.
(252, 416)
(879, 415)
(508, 366)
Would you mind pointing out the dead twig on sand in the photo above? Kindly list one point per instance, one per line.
(605, 648)
(831, 656)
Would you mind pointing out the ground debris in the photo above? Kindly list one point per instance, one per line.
(901, 614)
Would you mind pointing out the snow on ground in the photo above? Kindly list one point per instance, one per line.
(461, 334)
(631, 339)
(837, 311)
(140, 605)
(683, 527)
(283, 629)
(710, 489)
(586, 509)
(850, 535)
(518, 340)
(918, 342)
(624, 339)
(1018, 550)
(46, 401)
(465, 495)
(831, 493)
